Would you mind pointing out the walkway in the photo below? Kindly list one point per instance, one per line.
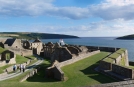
(129, 83)
(8, 76)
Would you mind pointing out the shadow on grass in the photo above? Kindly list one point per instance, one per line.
(41, 75)
(91, 73)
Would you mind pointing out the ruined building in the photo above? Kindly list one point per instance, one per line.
(64, 53)
(7, 57)
(37, 46)
(23, 48)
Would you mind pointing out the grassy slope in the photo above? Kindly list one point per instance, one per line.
(20, 59)
(114, 55)
(32, 57)
(4, 67)
(2, 50)
(84, 73)
(80, 73)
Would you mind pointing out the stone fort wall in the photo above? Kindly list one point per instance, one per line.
(22, 52)
(59, 74)
(107, 65)
(107, 49)
(121, 72)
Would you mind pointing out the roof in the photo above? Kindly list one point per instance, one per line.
(10, 42)
(36, 40)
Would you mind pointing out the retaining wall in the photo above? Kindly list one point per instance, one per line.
(108, 49)
(113, 66)
(114, 60)
(30, 74)
(105, 65)
(124, 71)
(59, 74)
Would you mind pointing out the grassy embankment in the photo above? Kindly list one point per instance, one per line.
(21, 59)
(78, 74)
(115, 55)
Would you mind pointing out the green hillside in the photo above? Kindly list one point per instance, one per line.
(29, 35)
(127, 37)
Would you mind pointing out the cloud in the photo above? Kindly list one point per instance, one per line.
(120, 2)
(39, 8)
(114, 9)
(104, 28)
(107, 10)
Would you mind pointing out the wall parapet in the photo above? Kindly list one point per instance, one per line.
(111, 63)
(115, 58)
(108, 49)
(19, 51)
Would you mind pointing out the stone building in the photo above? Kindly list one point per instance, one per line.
(61, 54)
(37, 46)
(17, 46)
(14, 43)
(67, 52)
(49, 48)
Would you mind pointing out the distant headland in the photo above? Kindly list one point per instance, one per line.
(127, 37)
(33, 35)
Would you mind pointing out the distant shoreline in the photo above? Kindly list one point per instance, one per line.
(127, 37)
(21, 35)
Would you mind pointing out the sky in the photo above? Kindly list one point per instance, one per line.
(83, 18)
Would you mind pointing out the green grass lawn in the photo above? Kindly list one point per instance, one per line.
(32, 57)
(2, 49)
(20, 59)
(4, 67)
(78, 74)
